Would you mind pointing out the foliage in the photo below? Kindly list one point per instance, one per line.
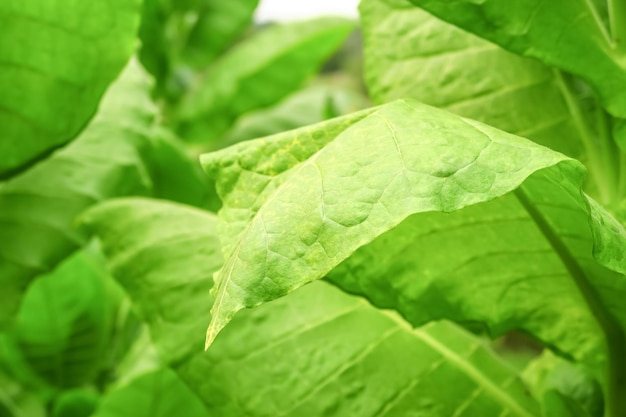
(481, 197)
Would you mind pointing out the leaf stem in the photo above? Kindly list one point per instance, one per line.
(615, 397)
(595, 160)
(610, 154)
(622, 177)
(617, 23)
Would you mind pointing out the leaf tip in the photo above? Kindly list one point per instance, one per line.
(212, 332)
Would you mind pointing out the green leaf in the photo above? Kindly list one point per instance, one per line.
(75, 403)
(563, 386)
(218, 25)
(141, 357)
(257, 73)
(321, 352)
(311, 105)
(156, 394)
(62, 328)
(570, 35)
(175, 176)
(411, 54)
(56, 63)
(38, 207)
(164, 255)
(292, 216)
(153, 53)
(316, 351)
(177, 36)
(16, 400)
(502, 247)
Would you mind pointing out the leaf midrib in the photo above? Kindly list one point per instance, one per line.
(474, 373)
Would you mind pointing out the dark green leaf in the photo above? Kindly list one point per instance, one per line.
(55, 64)
(75, 403)
(218, 24)
(175, 176)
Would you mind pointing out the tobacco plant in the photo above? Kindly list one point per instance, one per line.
(481, 196)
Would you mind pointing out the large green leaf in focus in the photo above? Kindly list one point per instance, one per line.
(403, 159)
(38, 207)
(62, 328)
(257, 73)
(55, 64)
(296, 206)
(317, 351)
(411, 54)
(164, 255)
(158, 393)
(568, 34)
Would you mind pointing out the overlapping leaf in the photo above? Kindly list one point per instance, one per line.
(570, 35)
(404, 158)
(38, 207)
(55, 64)
(257, 73)
(317, 351)
(164, 255)
(291, 216)
(322, 352)
(411, 54)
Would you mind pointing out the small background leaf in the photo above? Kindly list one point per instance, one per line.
(258, 73)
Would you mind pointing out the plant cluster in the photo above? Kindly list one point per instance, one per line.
(476, 191)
